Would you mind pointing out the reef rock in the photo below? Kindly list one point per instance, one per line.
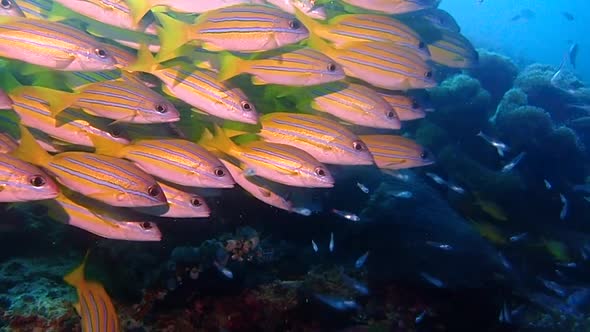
(495, 72)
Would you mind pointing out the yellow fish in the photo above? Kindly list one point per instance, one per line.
(396, 152)
(94, 306)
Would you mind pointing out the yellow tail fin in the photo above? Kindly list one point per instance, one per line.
(230, 66)
(29, 150)
(145, 61)
(220, 141)
(76, 277)
(138, 9)
(107, 147)
(58, 100)
(173, 34)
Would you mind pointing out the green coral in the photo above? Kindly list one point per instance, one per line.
(495, 72)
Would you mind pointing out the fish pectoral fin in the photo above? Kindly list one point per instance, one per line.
(77, 308)
(258, 81)
(62, 63)
(265, 192)
(101, 196)
(211, 47)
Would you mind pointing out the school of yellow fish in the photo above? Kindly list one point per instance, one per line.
(117, 109)
(113, 110)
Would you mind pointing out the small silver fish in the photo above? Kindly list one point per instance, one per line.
(403, 194)
(518, 237)
(547, 184)
(554, 287)
(302, 211)
(508, 167)
(331, 246)
(358, 286)
(434, 281)
(314, 246)
(347, 215)
(362, 187)
(500, 147)
(361, 260)
(567, 264)
(436, 178)
(337, 302)
(564, 207)
(420, 317)
(505, 262)
(456, 188)
(226, 272)
(505, 314)
(438, 245)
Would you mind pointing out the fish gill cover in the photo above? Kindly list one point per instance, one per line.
(291, 165)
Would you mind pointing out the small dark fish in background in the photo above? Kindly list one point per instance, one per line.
(524, 14)
(573, 53)
(568, 16)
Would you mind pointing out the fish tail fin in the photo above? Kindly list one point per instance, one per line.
(29, 150)
(76, 277)
(307, 21)
(173, 34)
(219, 141)
(138, 9)
(229, 66)
(57, 100)
(145, 61)
(106, 146)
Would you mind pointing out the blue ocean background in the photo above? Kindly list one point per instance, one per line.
(544, 38)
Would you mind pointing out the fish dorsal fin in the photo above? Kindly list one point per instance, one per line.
(76, 277)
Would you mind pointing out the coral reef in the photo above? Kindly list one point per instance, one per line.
(33, 295)
(495, 72)
(462, 105)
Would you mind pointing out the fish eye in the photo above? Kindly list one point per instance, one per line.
(115, 131)
(6, 4)
(101, 53)
(331, 67)
(415, 104)
(358, 146)
(294, 24)
(146, 225)
(424, 155)
(246, 106)
(421, 45)
(428, 74)
(391, 115)
(161, 108)
(219, 172)
(37, 181)
(320, 172)
(196, 202)
(154, 190)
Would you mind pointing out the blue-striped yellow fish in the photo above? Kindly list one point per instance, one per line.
(10, 8)
(132, 39)
(354, 103)
(22, 182)
(113, 181)
(9, 127)
(261, 192)
(104, 221)
(199, 88)
(120, 100)
(112, 12)
(35, 8)
(308, 7)
(280, 163)
(324, 139)
(453, 50)
(71, 126)
(406, 107)
(393, 6)
(380, 64)
(301, 67)
(397, 152)
(52, 45)
(181, 204)
(7, 143)
(141, 7)
(353, 28)
(174, 160)
(96, 310)
(240, 28)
